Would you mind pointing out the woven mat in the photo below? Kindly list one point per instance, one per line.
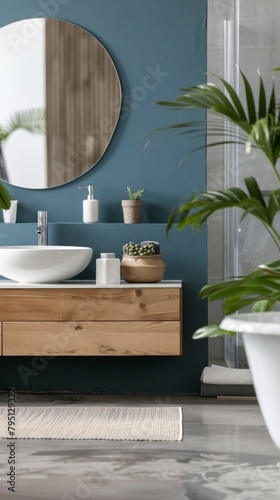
(94, 422)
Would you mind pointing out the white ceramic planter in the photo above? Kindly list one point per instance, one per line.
(261, 336)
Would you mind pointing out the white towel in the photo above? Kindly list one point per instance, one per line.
(221, 375)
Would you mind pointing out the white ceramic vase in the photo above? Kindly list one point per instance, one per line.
(261, 336)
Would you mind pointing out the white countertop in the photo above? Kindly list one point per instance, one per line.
(90, 284)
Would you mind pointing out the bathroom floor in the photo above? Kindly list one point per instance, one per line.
(226, 454)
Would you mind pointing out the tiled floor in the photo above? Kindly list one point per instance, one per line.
(226, 454)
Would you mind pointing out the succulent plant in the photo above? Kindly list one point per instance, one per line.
(136, 195)
(140, 250)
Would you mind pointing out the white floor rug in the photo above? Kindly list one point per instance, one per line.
(94, 422)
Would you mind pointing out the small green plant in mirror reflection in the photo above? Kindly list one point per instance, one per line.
(136, 195)
(31, 120)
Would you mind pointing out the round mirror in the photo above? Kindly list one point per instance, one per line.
(60, 102)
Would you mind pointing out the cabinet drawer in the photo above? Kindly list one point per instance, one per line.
(102, 338)
(99, 304)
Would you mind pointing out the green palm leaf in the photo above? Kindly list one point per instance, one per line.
(259, 127)
(264, 305)
(272, 102)
(234, 98)
(201, 206)
(210, 331)
(262, 100)
(32, 120)
(273, 268)
(249, 100)
(274, 203)
(5, 202)
(262, 288)
(254, 190)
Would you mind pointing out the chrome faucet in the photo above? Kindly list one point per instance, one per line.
(42, 229)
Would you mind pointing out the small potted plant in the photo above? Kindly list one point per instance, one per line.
(132, 208)
(142, 263)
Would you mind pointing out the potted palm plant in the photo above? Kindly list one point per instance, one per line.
(254, 124)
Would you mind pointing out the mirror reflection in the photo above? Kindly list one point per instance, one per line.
(60, 102)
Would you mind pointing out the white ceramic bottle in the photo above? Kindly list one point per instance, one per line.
(90, 207)
(10, 215)
(108, 269)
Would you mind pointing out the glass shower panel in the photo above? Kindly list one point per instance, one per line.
(259, 43)
(218, 12)
(259, 52)
(241, 34)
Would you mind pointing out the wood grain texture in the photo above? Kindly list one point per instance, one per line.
(100, 304)
(140, 338)
(82, 94)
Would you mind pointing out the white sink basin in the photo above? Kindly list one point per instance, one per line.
(43, 264)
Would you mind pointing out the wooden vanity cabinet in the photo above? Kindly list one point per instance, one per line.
(91, 321)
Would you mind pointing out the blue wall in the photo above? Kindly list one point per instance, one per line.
(165, 34)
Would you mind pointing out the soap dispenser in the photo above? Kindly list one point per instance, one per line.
(90, 206)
